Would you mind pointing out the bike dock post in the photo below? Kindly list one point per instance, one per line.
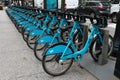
(85, 37)
(85, 31)
(103, 57)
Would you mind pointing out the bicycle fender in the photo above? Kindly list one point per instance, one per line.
(47, 39)
(36, 32)
(30, 28)
(27, 25)
(23, 22)
(58, 49)
(19, 20)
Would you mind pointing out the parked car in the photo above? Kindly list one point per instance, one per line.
(1, 6)
(115, 7)
(94, 8)
(68, 4)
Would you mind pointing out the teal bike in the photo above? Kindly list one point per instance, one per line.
(63, 53)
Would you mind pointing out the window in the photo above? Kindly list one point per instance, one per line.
(105, 3)
(115, 1)
(90, 4)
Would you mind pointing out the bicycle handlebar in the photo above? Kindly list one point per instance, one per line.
(101, 21)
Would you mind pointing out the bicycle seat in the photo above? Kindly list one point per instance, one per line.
(54, 28)
(76, 17)
(102, 22)
(68, 16)
(46, 11)
(40, 17)
(82, 18)
(61, 14)
(23, 11)
(30, 14)
(54, 13)
(65, 28)
(26, 13)
(34, 15)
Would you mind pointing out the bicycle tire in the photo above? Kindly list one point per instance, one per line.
(38, 50)
(24, 35)
(31, 41)
(29, 38)
(19, 29)
(95, 54)
(56, 57)
(77, 39)
(65, 34)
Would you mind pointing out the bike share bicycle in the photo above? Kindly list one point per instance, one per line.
(50, 21)
(51, 38)
(64, 53)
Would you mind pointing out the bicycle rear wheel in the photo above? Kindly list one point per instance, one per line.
(31, 41)
(24, 35)
(77, 39)
(38, 50)
(54, 67)
(96, 48)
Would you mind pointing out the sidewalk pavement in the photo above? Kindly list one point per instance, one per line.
(17, 61)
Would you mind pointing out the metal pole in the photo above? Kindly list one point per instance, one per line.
(116, 47)
(45, 4)
(22, 1)
(33, 3)
(62, 5)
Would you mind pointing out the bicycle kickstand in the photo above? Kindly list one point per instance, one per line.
(79, 63)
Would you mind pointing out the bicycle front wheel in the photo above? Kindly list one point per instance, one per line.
(96, 48)
(54, 67)
(31, 41)
(24, 35)
(38, 50)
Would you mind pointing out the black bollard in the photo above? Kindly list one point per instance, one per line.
(117, 65)
(116, 39)
(116, 47)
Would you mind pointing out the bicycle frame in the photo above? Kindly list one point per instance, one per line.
(52, 39)
(95, 31)
(41, 31)
(68, 54)
(64, 49)
(70, 42)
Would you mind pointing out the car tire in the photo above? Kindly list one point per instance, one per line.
(92, 14)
